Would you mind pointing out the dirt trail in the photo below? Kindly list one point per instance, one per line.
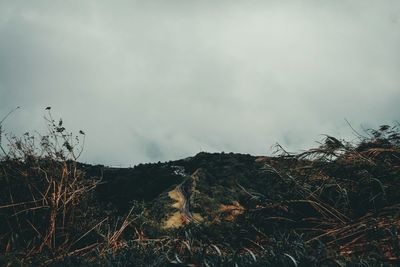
(182, 195)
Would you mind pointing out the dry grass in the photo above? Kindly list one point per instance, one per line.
(230, 212)
(334, 205)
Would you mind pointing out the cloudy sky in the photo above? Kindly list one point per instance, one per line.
(158, 80)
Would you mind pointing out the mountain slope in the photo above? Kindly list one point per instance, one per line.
(335, 205)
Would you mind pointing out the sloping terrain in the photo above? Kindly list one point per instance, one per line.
(335, 205)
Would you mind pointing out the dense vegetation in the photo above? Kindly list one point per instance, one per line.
(335, 205)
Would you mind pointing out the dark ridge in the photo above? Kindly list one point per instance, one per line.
(334, 205)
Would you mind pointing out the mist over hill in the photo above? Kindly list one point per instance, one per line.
(153, 80)
(200, 133)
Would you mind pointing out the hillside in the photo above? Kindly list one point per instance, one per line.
(335, 205)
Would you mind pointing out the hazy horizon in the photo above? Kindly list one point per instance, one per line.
(159, 80)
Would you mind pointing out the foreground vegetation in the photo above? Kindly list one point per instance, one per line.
(335, 205)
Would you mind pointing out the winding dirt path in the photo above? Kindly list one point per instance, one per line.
(182, 195)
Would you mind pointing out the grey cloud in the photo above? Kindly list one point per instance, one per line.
(158, 80)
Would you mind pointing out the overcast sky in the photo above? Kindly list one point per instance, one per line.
(159, 80)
